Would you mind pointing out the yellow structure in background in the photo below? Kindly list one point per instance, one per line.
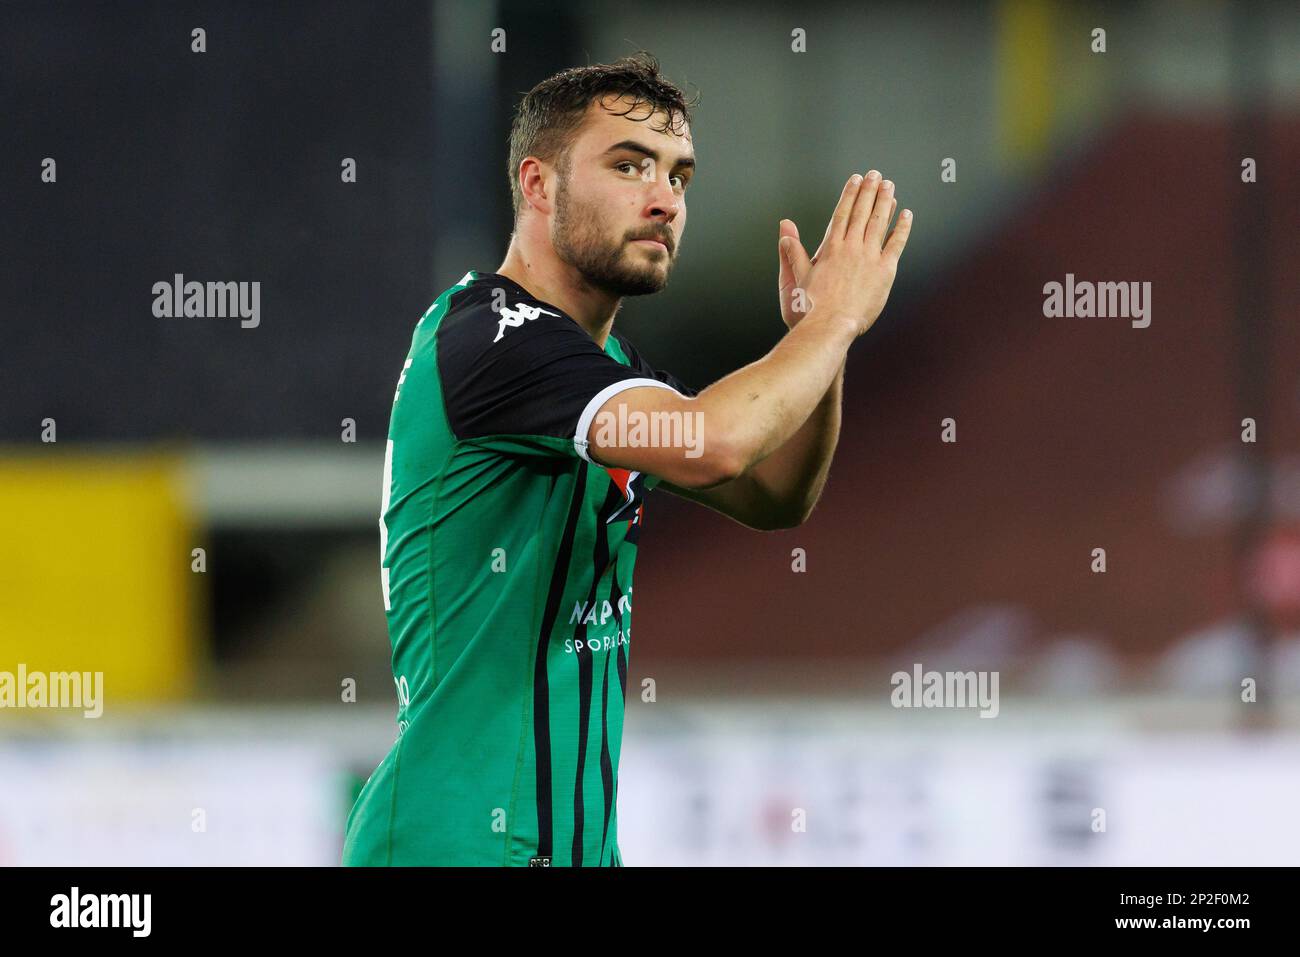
(95, 571)
(1027, 61)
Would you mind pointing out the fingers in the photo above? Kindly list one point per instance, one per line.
(898, 238)
(867, 199)
(880, 213)
(893, 205)
(865, 209)
(844, 208)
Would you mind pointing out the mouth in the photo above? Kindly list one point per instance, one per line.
(651, 244)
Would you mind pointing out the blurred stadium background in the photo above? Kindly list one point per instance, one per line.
(225, 689)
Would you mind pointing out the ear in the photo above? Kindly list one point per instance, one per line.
(535, 178)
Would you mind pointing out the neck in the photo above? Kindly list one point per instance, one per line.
(552, 280)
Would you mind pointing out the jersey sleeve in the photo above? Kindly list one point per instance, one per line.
(643, 367)
(527, 378)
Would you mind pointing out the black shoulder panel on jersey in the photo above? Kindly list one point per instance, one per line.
(650, 372)
(523, 368)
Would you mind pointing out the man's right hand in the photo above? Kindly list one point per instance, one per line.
(747, 415)
(854, 268)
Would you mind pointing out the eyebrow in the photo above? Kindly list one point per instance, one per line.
(687, 162)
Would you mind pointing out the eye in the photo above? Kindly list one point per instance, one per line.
(681, 181)
(629, 164)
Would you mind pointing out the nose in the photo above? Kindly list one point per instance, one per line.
(663, 204)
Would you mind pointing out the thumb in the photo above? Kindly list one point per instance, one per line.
(795, 255)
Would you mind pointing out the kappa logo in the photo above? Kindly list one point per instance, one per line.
(521, 313)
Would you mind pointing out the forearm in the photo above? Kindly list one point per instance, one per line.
(757, 410)
(791, 479)
(772, 427)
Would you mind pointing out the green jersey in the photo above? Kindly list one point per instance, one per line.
(506, 570)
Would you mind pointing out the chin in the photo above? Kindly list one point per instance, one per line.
(642, 286)
(640, 280)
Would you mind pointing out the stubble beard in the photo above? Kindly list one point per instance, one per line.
(616, 267)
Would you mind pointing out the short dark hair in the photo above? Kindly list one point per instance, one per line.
(552, 112)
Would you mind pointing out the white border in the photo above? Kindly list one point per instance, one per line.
(580, 442)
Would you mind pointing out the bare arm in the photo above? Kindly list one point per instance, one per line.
(781, 491)
(768, 430)
(735, 423)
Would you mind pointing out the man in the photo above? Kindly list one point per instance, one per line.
(524, 436)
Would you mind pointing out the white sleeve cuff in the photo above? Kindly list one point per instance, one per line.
(599, 399)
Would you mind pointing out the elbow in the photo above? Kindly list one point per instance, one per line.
(788, 512)
(787, 518)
